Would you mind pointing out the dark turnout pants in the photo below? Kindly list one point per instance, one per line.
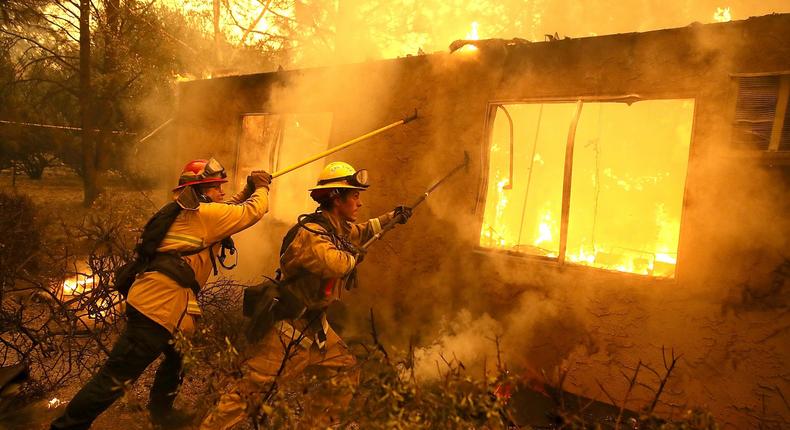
(140, 344)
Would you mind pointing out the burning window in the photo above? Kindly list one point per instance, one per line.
(615, 203)
(272, 142)
(762, 117)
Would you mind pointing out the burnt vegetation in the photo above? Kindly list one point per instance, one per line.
(59, 313)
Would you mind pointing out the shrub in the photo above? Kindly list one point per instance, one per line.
(19, 230)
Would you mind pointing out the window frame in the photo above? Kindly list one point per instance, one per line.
(240, 133)
(559, 261)
(275, 154)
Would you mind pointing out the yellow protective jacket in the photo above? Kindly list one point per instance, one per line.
(315, 264)
(163, 300)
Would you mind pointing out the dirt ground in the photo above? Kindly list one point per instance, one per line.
(59, 191)
(129, 412)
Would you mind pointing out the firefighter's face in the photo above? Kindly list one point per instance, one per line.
(214, 192)
(348, 205)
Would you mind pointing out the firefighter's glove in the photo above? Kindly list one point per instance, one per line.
(402, 213)
(359, 254)
(259, 179)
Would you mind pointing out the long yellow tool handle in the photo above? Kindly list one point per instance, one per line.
(344, 145)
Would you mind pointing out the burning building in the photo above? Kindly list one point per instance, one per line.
(625, 193)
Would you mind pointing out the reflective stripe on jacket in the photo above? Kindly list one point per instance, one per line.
(160, 298)
(318, 264)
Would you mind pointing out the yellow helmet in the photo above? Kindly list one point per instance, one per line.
(341, 175)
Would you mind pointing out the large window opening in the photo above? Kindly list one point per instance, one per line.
(272, 142)
(596, 183)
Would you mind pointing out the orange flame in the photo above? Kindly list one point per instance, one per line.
(72, 290)
(471, 35)
(722, 14)
(78, 285)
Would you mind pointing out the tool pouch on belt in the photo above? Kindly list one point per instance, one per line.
(175, 268)
(267, 303)
(126, 274)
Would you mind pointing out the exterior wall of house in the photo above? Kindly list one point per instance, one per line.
(726, 311)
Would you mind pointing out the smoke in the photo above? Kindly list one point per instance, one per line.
(428, 282)
(463, 340)
(299, 123)
(538, 334)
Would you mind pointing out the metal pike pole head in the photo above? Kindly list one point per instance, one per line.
(411, 117)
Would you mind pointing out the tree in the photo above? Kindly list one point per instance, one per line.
(109, 66)
(91, 153)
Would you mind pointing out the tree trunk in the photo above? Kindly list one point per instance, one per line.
(90, 187)
(217, 36)
(107, 103)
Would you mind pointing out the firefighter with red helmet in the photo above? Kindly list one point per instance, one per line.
(318, 260)
(162, 299)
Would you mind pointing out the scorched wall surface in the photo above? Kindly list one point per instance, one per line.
(726, 310)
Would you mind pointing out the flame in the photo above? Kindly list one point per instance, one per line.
(182, 78)
(544, 229)
(490, 236)
(722, 14)
(77, 292)
(54, 403)
(74, 286)
(471, 35)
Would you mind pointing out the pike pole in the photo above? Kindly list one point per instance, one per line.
(344, 145)
(395, 220)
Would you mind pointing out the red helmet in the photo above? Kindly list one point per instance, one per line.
(201, 172)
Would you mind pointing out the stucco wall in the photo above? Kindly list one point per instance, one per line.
(722, 311)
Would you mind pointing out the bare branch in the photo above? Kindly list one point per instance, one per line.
(669, 368)
(64, 30)
(609, 396)
(60, 58)
(631, 385)
(375, 336)
(255, 22)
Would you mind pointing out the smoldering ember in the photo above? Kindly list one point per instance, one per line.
(279, 214)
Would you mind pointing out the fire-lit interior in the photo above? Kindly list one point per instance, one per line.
(628, 177)
(272, 142)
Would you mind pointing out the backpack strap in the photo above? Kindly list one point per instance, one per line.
(329, 231)
(155, 230)
(301, 221)
(148, 259)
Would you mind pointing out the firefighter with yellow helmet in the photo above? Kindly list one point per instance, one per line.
(175, 257)
(318, 258)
